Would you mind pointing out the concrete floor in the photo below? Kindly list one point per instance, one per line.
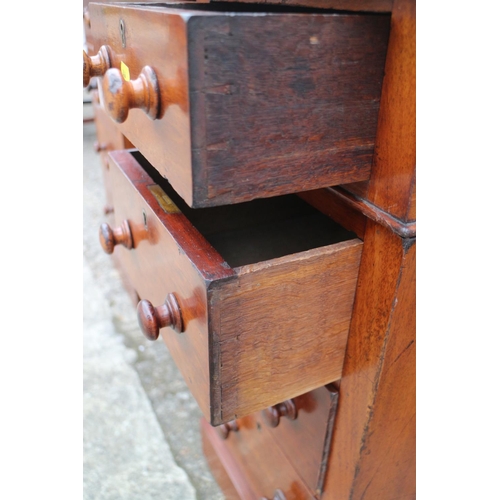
(141, 423)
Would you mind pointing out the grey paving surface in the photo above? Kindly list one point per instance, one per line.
(141, 423)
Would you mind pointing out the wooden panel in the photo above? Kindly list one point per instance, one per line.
(347, 5)
(255, 465)
(239, 118)
(240, 351)
(310, 433)
(273, 337)
(391, 186)
(267, 109)
(218, 469)
(156, 267)
(377, 405)
(332, 205)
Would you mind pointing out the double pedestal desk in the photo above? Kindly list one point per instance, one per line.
(259, 166)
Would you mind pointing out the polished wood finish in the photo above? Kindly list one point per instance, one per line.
(254, 463)
(95, 65)
(347, 5)
(403, 229)
(316, 78)
(392, 183)
(306, 440)
(151, 318)
(109, 138)
(338, 208)
(273, 414)
(373, 454)
(121, 96)
(121, 235)
(226, 428)
(248, 341)
(302, 444)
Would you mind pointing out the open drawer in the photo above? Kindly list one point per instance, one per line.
(253, 300)
(232, 102)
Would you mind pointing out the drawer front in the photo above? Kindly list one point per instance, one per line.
(252, 446)
(254, 332)
(257, 468)
(304, 423)
(109, 138)
(238, 103)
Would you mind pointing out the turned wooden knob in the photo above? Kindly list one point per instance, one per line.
(95, 65)
(151, 318)
(273, 414)
(99, 147)
(120, 96)
(119, 236)
(224, 429)
(278, 495)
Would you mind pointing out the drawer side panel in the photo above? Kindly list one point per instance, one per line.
(282, 328)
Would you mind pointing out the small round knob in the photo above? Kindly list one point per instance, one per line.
(119, 236)
(99, 147)
(273, 414)
(151, 318)
(121, 96)
(95, 65)
(224, 429)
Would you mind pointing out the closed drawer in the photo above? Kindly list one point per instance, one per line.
(304, 423)
(246, 288)
(250, 448)
(109, 138)
(251, 103)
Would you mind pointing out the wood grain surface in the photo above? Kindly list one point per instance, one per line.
(252, 335)
(240, 118)
(273, 337)
(392, 184)
(373, 453)
(306, 440)
(255, 464)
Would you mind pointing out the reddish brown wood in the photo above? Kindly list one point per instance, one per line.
(226, 428)
(248, 342)
(311, 433)
(347, 5)
(121, 96)
(329, 203)
(392, 182)
(218, 470)
(278, 495)
(256, 466)
(121, 235)
(403, 229)
(151, 318)
(247, 100)
(373, 454)
(95, 65)
(273, 414)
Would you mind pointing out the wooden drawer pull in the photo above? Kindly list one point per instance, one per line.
(95, 65)
(121, 96)
(151, 318)
(273, 414)
(278, 495)
(224, 429)
(110, 237)
(100, 147)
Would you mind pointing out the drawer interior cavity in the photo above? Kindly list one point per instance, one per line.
(258, 230)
